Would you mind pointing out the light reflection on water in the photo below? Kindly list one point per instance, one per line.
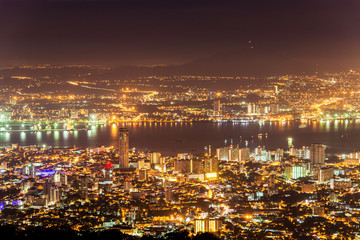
(114, 131)
(38, 136)
(327, 126)
(336, 125)
(23, 137)
(340, 135)
(7, 137)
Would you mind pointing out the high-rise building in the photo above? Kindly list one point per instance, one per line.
(354, 155)
(83, 187)
(155, 158)
(143, 175)
(63, 179)
(317, 154)
(279, 153)
(262, 155)
(217, 108)
(254, 109)
(207, 225)
(340, 183)
(54, 195)
(295, 172)
(108, 172)
(251, 108)
(182, 166)
(272, 181)
(29, 170)
(325, 174)
(184, 156)
(196, 166)
(168, 195)
(308, 187)
(108, 177)
(228, 153)
(57, 179)
(244, 154)
(47, 188)
(211, 164)
(124, 148)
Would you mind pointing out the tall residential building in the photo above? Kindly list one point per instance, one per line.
(47, 188)
(124, 148)
(262, 155)
(155, 157)
(295, 172)
(279, 153)
(325, 174)
(244, 154)
(56, 177)
(29, 170)
(317, 153)
(196, 166)
(207, 225)
(354, 155)
(272, 181)
(108, 177)
(169, 195)
(54, 195)
(217, 108)
(254, 109)
(182, 166)
(143, 175)
(233, 154)
(276, 90)
(211, 165)
(84, 187)
(63, 179)
(250, 108)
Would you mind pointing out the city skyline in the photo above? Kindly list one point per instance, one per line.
(189, 120)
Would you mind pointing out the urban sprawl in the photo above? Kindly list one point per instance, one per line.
(228, 191)
(232, 192)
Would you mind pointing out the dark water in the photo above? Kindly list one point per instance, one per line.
(340, 136)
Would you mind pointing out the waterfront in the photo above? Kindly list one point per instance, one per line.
(340, 136)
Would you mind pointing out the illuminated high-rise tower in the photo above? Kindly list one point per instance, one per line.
(217, 107)
(211, 164)
(108, 177)
(123, 148)
(317, 154)
(84, 187)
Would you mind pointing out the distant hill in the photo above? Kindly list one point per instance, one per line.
(247, 62)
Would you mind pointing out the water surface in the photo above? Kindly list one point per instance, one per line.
(340, 136)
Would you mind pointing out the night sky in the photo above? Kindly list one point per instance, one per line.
(177, 32)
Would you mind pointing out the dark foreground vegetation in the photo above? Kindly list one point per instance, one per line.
(39, 233)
